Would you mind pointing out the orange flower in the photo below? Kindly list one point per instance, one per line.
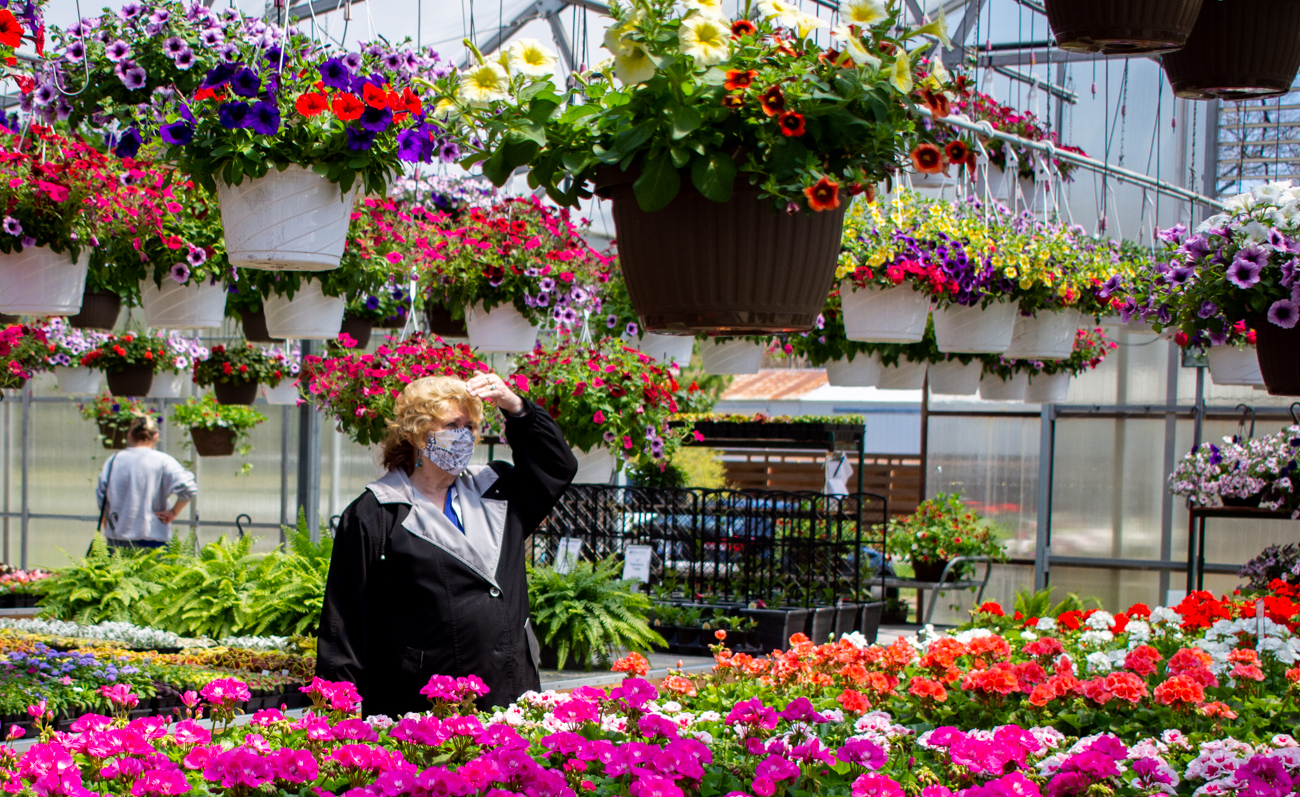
(1218, 709)
(854, 702)
(937, 101)
(310, 104)
(720, 634)
(740, 79)
(632, 664)
(1179, 691)
(680, 685)
(773, 100)
(823, 195)
(742, 27)
(957, 152)
(927, 159)
(926, 689)
(347, 107)
(733, 101)
(791, 124)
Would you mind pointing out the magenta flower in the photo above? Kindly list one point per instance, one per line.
(159, 783)
(876, 786)
(226, 692)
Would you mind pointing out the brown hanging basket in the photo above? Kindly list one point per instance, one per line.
(1238, 50)
(724, 268)
(358, 328)
(99, 310)
(133, 380)
(114, 434)
(1278, 351)
(254, 324)
(218, 442)
(1121, 26)
(441, 323)
(235, 392)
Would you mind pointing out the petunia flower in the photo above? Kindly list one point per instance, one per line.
(484, 84)
(632, 64)
(531, 58)
(705, 39)
(179, 133)
(1284, 313)
(245, 83)
(180, 272)
(265, 118)
(234, 115)
(12, 226)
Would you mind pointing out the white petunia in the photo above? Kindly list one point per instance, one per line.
(809, 23)
(706, 40)
(632, 64)
(781, 12)
(706, 8)
(862, 12)
(485, 83)
(901, 75)
(530, 57)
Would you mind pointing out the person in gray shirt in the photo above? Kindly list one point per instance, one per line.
(134, 488)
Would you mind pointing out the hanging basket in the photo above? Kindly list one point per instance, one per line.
(888, 315)
(862, 371)
(290, 220)
(195, 305)
(1278, 351)
(218, 442)
(235, 392)
(309, 315)
(955, 378)
(113, 434)
(1048, 389)
(40, 281)
(501, 329)
(132, 381)
(284, 393)
(737, 267)
(357, 328)
(440, 322)
(731, 357)
(1238, 50)
(253, 323)
(1047, 336)
(1230, 365)
(1117, 27)
(594, 467)
(906, 375)
(664, 349)
(78, 381)
(993, 388)
(168, 384)
(975, 330)
(99, 310)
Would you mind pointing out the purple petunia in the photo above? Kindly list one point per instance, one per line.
(117, 51)
(211, 37)
(1208, 310)
(181, 273)
(265, 118)
(185, 59)
(234, 115)
(1284, 313)
(335, 74)
(177, 133)
(128, 144)
(1180, 274)
(13, 226)
(632, 330)
(359, 140)
(132, 75)
(413, 147)
(611, 321)
(1289, 273)
(218, 75)
(450, 152)
(1247, 265)
(245, 82)
(376, 120)
(174, 46)
(75, 51)
(128, 11)
(197, 256)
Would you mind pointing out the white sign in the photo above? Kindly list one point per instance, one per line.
(636, 563)
(570, 551)
(838, 473)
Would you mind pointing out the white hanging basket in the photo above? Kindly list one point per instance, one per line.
(906, 375)
(954, 378)
(975, 330)
(195, 305)
(665, 348)
(995, 182)
(78, 381)
(889, 315)
(594, 467)
(284, 393)
(291, 220)
(994, 389)
(732, 357)
(1230, 365)
(862, 371)
(1048, 389)
(309, 315)
(168, 384)
(40, 281)
(501, 329)
(1047, 336)
(933, 186)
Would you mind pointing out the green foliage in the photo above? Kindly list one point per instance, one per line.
(589, 612)
(234, 364)
(1039, 603)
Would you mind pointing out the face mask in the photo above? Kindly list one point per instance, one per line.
(450, 449)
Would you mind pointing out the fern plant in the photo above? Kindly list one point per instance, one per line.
(588, 612)
(108, 584)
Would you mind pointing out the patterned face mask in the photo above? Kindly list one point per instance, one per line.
(450, 449)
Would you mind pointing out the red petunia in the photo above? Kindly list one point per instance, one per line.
(311, 104)
(823, 195)
(742, 27)
(773, 100)
(957, 152)
(374, 96)
(11, 33)
(937, 102)
(347, 107)
(927, 159)
(740, 79)
(791, 124)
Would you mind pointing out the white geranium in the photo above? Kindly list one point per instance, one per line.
(1100, 621)
(1163, 615)
(1099, 661)
(1046, 624)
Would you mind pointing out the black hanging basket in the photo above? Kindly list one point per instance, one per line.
(99, 310)
(114, 434)
(235, 392)
(440, 322)
(254, 324)
(133, 380)
(1121, 26)
(1238, 50)
(213, 442)
(358, 328)
(1278, 351)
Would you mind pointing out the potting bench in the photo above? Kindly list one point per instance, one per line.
(943, 585)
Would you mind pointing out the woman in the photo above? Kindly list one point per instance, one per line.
(134, 487)
(427, 575)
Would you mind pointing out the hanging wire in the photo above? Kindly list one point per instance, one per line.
(85, 62)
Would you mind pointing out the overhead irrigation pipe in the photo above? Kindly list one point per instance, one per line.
(1092, 164)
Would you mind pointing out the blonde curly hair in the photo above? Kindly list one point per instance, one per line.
(421, 406)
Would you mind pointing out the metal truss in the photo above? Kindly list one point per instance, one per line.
(1258, 142)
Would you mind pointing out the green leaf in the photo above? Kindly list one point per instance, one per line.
(496, 169)
(685, 119)
(658, 183)
(714, 176)
(681, 157)
(575, 112)
(539, 110)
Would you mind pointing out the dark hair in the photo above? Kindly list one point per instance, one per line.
(142, 428)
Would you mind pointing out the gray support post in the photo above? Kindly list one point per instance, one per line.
(9, 467)
(1172, 363)
(285, 418)
(1211, 174)
(1046, 453)
(27, 466)
(309, 428)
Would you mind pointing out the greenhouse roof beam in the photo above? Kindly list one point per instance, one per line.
(1091, 164)
(311, 9)
(548, 10)
(1034, 55)
(1060, 92)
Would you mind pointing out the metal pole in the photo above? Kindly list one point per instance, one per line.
(1198, 422)
(9, 466)
(284, 472)
(27, 462)
(1046, 452)
(1210, 177)
(309, 430)
(1172, 363)
(925, 431)
(336, 471)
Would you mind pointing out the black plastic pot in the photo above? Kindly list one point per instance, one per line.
(870, 618)
(1278, 351)
(213, 442)
(114, 435)
(1119, 27)
(819, 624)
(846, 618)
(439, 320)
(99, 310)
(131, 381)
(1238, 50)
(235, 392)
(932, 571)
(254, 324)
(358, 328)
(776, 626)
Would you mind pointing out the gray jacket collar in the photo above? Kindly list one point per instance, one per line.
(479, 547)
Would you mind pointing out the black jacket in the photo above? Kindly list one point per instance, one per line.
(409, 597)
